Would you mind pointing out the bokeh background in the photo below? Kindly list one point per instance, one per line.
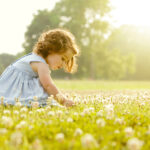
(113, 35)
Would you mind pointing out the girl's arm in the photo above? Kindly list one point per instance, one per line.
(48, 84)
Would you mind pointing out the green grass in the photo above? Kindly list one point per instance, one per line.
(37, 128)
(101, 85)
(105, 116)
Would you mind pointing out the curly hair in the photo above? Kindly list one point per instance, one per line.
(58, 41)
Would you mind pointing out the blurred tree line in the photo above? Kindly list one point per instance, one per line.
(106, 53)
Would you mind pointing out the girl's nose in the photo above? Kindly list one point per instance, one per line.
(59, 66)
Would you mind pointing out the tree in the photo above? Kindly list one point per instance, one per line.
(86, 20)
(131, 39)
(42, 21)
(5, 60)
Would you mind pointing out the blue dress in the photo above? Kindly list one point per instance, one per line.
(20, 81)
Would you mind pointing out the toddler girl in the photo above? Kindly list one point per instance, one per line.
(29, 78)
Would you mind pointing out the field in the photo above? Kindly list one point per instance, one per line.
(107, 116)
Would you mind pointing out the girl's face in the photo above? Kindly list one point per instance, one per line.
(57, 61)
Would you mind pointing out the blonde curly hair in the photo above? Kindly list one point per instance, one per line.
(58, 41)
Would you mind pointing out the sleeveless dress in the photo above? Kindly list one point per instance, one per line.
(20, 81)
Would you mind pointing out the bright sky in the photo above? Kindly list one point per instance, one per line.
(16, 15)
(135, 12)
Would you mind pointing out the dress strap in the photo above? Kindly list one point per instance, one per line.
(21, 58)
(35, 57)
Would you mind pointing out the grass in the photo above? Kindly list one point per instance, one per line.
(116, 117)
(101, 85)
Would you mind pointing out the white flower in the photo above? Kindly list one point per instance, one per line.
(7, 121)
(51, 113)
(15, 112)
(35, 98)
(75, 114)
(41, 110)
(109, 108)
(48, 108)
(3, 131)
(86, 111)
(16, 138)
(100, 122)
(92, 109)
(23, 116)
(99, 113)
(142, 104)
(21, 125)
(23, 110)
(116, 131)
(37, 145)
(129, 131)
(78, 132)
(35, 104)
(134, 144)
(59, 113)
(88, 141)
(6, 112)
(66, 112)
(82, 114)
(30, 112)
(30, 127)
(59, 137)
(69, 120)
(119, 121)
(18, 104)
(109, 115)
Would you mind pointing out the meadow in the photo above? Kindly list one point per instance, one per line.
(109, 115)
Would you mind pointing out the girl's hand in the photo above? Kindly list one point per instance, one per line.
(64, 101)
(68, 103)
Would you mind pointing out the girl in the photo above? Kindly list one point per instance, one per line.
(30, 76)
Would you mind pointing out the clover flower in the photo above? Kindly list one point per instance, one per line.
(116, 131)
(129, 131)
(51, 113)
(3, 131)
(86, 111)
(18, 104)
(41, 110)
(6, 112)
(59, 137)
(100, 122)
(69, 120)
(88, 141)
(48, 108)
(134, 144)
(99, 113)
(7, 121)
(35, 104)
(23, 116)
(119, 121)
(109, 108)
(16, 138)
(37, 145)
(15, 112)
(30, 112)
(78, 132)
(59, 113)
(23, 110)
(35, 98)
(75, 114)
(21, 125)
